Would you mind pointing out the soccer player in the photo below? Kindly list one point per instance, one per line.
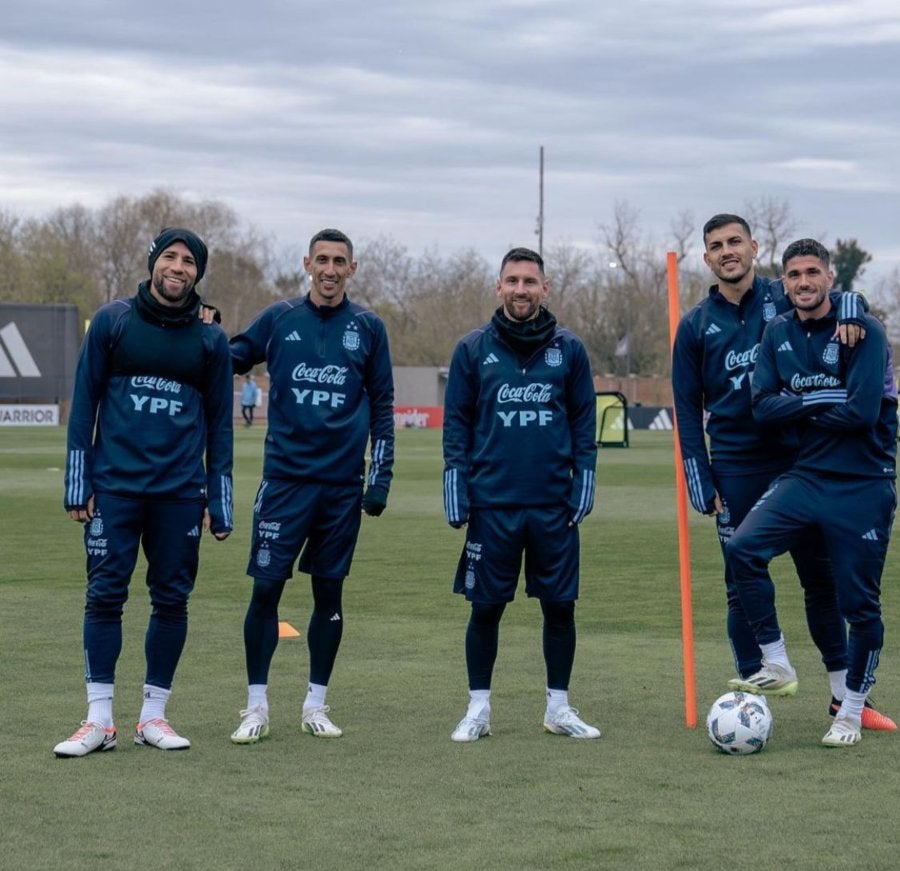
(519, 459)
(153, 395)
(843, 403)
(331, 390)
(715, 350)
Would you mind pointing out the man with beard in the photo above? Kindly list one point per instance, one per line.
(331, 393)
(715, 351)
(519, 460)
(843, 404)
(153, 395)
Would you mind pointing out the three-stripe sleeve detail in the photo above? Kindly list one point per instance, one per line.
(585, 496)
(75, 479)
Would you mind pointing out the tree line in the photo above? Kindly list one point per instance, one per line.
(613, 296)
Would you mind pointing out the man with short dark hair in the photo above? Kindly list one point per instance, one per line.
(153, 395)
(843, 404)
(331, 390)
(519, 458)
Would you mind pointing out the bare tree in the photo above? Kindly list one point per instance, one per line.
(772, 225)
(885, 303)
(631, 332)
(13, 271)
(571, 271)
(122, 235)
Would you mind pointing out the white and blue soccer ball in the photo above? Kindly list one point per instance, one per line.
(739, 723)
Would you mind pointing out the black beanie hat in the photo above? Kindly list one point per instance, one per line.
(176, 234)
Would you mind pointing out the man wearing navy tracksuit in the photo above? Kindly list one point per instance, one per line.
(153, 395)
(519, 460)
(331, 391)
(715, 351)
(843, 405)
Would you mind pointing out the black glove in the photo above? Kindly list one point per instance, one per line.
(374, 501)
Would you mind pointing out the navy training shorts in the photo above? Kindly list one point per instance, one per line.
(317, 522)
(497, 540)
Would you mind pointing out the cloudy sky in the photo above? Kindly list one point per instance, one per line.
(422, 120)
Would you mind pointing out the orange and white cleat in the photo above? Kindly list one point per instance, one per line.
(89, 738)
(871, 719)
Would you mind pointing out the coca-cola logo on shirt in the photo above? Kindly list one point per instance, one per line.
(807, 382)
(535, 392)
(163, 385)
(737, 359)
(320, 374)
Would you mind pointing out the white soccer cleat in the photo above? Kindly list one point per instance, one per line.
(158, 733)
(317, 722)
(567, 722)
(770, 680)
(89, 738)
(844, 732)
(254, 726)
(472, 728)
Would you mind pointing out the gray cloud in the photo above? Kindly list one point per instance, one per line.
(422, 120)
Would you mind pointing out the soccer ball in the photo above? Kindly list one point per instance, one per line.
(739, 723)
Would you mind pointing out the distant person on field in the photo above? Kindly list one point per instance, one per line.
(519, 460)
(249, 398)
(843, 403)
(331, 393)
(716, 347)
(153, 396)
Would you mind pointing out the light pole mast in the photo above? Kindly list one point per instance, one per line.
(540, 218)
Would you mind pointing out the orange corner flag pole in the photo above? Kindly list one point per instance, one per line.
(684, 539)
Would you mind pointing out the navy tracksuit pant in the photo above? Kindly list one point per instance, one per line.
(169, 533)
(739, 494)
(854, 517)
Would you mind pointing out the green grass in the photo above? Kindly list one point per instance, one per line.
(395, 792)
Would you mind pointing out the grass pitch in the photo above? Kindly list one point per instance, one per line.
(395, 792)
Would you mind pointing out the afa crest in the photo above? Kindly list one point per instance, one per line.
(96, 527)
(351, 338)
(830, 354)
(553, 357)
(768, 311)
(263, 557)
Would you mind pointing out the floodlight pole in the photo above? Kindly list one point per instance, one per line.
(540, 218)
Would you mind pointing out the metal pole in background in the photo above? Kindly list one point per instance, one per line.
(540, 219)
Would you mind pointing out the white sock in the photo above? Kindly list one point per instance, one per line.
(258, 696)
(479, 703)
(154, 707)
(838, 681)
(315, 696)
(556, 699)
(100, 699)
(776, 653)
(852, 706)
